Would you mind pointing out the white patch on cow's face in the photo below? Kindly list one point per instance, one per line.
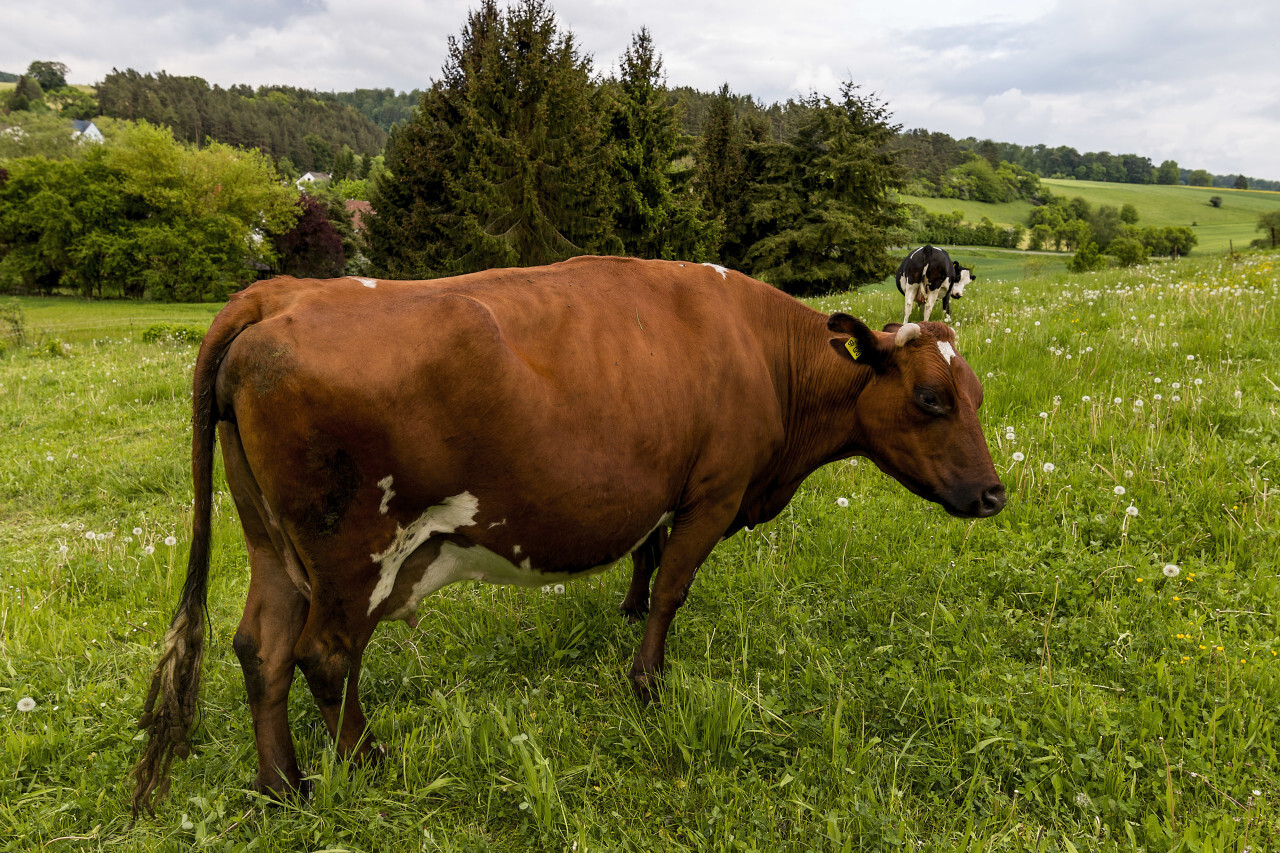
(367, 282)
(455, 563)
(516, 549)
(723, 272)
(387, 494)
(948, 351)
(455, 512)
(957, 289)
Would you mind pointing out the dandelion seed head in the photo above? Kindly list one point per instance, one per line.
(1048, 467)
(170, 541)
(558, 589)
(1171, 570)
(1018, 457)
(1119, 490)
(842, 502)
(137, 531)
(1084, 399)
(26, 703)
(1131, 511)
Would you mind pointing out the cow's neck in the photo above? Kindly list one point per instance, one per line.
(819, 390)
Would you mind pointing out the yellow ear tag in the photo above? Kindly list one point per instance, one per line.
(852, 346)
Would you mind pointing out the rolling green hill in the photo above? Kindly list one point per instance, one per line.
(1218, 228)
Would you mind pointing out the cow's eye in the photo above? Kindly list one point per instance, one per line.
(928, 399)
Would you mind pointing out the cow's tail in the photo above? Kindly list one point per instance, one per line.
(170, 709)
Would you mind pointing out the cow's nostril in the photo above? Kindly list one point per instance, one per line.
(993, 500)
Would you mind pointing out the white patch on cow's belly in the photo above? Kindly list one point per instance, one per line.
(948, 351)
(476, 563)
(724, 273)
(367, 282)
(446, 517)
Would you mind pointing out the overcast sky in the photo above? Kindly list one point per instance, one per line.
(1188, 80)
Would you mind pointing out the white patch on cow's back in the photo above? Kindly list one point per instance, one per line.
(724, 273)
(367, 282)
(445, 517)
(948, 351)
(387, 494)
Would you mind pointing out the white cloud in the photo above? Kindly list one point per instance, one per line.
(1173, 79)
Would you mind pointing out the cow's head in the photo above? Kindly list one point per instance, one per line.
(917, 419)
(960, 276)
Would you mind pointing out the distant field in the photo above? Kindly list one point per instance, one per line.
(67, 319)
(1011, 213)
(1218, 228)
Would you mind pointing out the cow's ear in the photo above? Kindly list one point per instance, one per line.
(861, 344)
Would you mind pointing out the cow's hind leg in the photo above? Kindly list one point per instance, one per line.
(329, 653)
(644, 560)
(273, 618)
(909, 296)
(274, 614)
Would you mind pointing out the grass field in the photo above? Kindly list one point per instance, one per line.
(1218, 228)
(1097, 668)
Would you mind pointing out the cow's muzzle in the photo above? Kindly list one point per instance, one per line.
(990, 502)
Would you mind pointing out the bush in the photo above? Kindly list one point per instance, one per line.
(1087, 259)
(173, 333)
(1128, 251)
(14, 319)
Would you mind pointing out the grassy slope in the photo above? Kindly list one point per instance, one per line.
(842, 679)
(1234, 222)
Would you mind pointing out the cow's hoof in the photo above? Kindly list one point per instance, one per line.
(280, 792)
(633, 613)
(645, 685)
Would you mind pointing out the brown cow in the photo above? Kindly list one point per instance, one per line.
(385, 438)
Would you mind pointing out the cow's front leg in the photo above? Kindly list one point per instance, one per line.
(693, 536)
(946, 306)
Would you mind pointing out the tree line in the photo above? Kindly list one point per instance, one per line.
(517, 155)
(299, 129)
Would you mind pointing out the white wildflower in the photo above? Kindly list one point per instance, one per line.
(1132, 511)
(1018, 457)
(1171, 571)
(1048, 467)
(1119, 490)
(842, 502)
(26, 703)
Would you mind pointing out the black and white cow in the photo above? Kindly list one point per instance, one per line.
(928, 274)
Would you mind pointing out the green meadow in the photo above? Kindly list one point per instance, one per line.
(1232, 225)
(1096, 668)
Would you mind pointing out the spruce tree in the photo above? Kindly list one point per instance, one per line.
(503, 164)
(829, 195)
(657, 215)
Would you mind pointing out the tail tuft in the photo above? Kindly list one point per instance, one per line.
(170, 709)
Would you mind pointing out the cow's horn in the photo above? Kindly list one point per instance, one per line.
(906, 333)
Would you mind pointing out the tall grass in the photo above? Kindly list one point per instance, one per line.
(860, 677)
